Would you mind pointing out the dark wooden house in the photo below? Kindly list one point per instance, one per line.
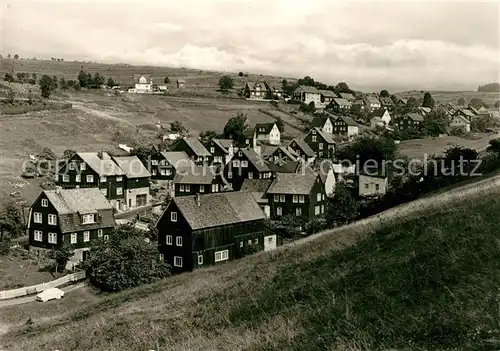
(202, 230)
(321, 143)
(221, 150)
(409, 121)
(281, 155)
(297, 194)
(74, 216)
(137, 181)
(245, 164)
(303, 150)
(200, 180)
(194, 149)
(164, 165)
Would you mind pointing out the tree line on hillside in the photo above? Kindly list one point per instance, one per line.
(489, 88)
(288, 88)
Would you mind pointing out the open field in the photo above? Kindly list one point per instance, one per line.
(17, 271)
(453, 96)
(406, 286)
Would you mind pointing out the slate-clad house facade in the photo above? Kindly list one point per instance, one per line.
(302, 150)
(194, 149)
(268, 132)
(137, 181)
(245, 164)
(320, 142)
(281, 155)
(409, 121)
(164, 165)
(199, 180)
(222, 150)
(345, 126)
(94, 170)
(74, 216)
(297, 194)
(202, 230)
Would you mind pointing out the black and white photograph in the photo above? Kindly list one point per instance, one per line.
(249, 175)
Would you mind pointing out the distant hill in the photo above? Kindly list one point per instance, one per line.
(489, 88)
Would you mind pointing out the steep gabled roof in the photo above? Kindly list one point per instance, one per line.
(132, 166)
(293, 183)
(328, 93)
(341, 102)
(346, 96)
(256, 160)
(372, 99)
(462, 118)
(326, 137)
(197, 147)
(379, 112)
(415, 116)
(304, 147)
(219, 209)
(196, 175)
(308, 89)
(267, 127)
(289, 153)
(138, 76)
(287, 167)
(224, 144)
(178, 159)
(349, 120)
(104, 166)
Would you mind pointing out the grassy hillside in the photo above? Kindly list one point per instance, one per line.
(427, 283)
(453, 96)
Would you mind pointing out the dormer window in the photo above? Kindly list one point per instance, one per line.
(88, 218)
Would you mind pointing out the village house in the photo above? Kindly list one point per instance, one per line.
(258, 188)
(327, 97)
(345, 126)
(424, 111)
(347, 96)
(202, 230)
(281, 155)
(387, 103)
(302, 150)
(94, 170)
(256, 91)
(286, 167)
(194, 149)
(164, 164)
(380, 117)
(359, 105)
(297, 194)
(409, 121)
(320, 142)
(340, 105)
(199, 180)
(325, 170)
(402, 101)
(460, 121)
(137, 181)
(342, 171)
(246, 164)
(268, 132)
(181, 83)
(372, 102)
(307, 94)
(324, 122)
(372, 185)
(274, 92)
(222, 150)
(143, 84)
(77, 217)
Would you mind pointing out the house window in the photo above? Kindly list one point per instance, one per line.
(99, 233)
(71, 166)
(276, 198)
(322, 209)
(236, 163)
(377, 186)
(154, 162)
(104, 191)
(244, 164)
(119, 190)
(314, 132)
(320, 146)
(279, 211)
(202, 188)
(215, 188)
(181, 189)
(230, 175)
(45, 203)
(168, 172)
(188, 188)
(52, 219)
(295, 198)
(163, 171)
(212, 149)
(162, 258)
(155, 172)
(173, 216)
(256, 241)
(282, 198)
(250, 175)
(37, 217)
(322, 196)
(106, 237)
(298, 211)
(73, 238)
(90, 218)
(86, 236)
(52, 238)
(301, 199)
(169, 240)
(249, 241)
(66, 178)
(366, 186)
(177, 261)
(241, 243)
(119, 179)
(90, 178)
(103, 178)
(83, 166)
(200, 259)
(38, 235)
(318, 197)
(78, 178)
(316, 210)
(239, 153)
(178, 240)
(221, 255)
(314, 138)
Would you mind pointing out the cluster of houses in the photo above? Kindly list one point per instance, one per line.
(143, 84)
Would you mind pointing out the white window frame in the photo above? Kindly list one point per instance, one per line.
(86, 236)
(322, 209)
(154, 162)
(65, 178)
(314, 138)
(202, 188)
(106, 237)
(256, 241)
(276, 198)
(236, 163)
(200, 259)
(71, 166)
(90, 178)
(168, 172)
(169, 239)
(73, 238)
(38, 235)
(301, 199)
(320, 146)
(103, 179)
(241, 243)
(78, 178)
(173, 216)
(45, 203)
(37, 217)
(298, 211)
(99, 233)
(316, 210)
(230, 175)
(212, 149)
(119, 179)
(163, 171)
(250, 175)
(249, 241)
(88, 219)
(119, 190)
(178, 241)
(181, 188)
(52, 219)
(221, 255)
(279, 211)
(188, 188)
(244, 164)
(295, 199)
(282, 198)
(52, 238)
(83, 166)
(318, 197)
(215, 188)
(178, 261)
(104, 191)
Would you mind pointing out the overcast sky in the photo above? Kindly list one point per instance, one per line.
(371, 45)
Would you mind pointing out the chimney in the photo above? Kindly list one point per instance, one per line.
(198, 200)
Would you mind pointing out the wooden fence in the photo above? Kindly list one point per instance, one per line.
(34, 289)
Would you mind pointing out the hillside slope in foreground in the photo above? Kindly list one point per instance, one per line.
(428, 282)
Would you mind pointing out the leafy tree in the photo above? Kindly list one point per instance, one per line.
(46, 86)
(240, 74)
(428, 100)
(342, 87)
(76, 86)
(63, 84)
(61, 255)
(436, 122)
(461, 101)
(459, 156)
(235, 128)
(208, 135)
(177, 127)
(166, 80)
(11, 221)
(225, 83)
(384, 93)
(483, 123)
(8, 77)
(288, 226)
(8, 56)
(111, 82)
(342, 208)
(54, 82)
(307, 81)
(497, 104)
(280, 124)
(288, 88)
(68, 154)
(143, 152)
(98, 80)
(83, 79)
(125, 260)
(491, 87)
(368, 148)
(476, 103)
(33, 76)
(11, 95)
(494, 146)
(16, 56)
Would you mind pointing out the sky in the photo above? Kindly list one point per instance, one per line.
(396, 45)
